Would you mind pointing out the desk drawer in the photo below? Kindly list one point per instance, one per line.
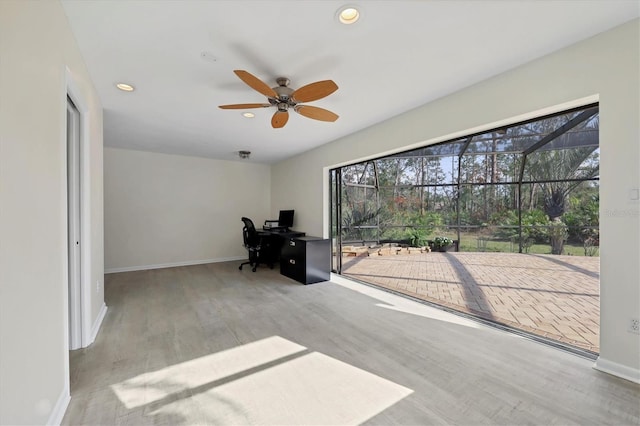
(293, 268)
(293, 249)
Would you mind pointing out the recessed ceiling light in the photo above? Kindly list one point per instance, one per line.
(248, 114)
(125, 87)
(348, 15)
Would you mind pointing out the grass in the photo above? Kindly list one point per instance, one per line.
(469, 243)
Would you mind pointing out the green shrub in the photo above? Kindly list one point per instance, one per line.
(420, 227)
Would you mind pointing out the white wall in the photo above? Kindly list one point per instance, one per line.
(165, 210)
(36, 46)
(605, 67)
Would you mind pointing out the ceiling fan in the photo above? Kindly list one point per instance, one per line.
(283, 97)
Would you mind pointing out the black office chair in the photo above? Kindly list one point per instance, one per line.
(256, 245)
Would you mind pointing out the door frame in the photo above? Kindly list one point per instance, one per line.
(74, 231)
(83, 299)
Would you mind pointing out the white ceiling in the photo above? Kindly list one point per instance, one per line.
(399, 55)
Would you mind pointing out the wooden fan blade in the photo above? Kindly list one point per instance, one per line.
(316, 113)
(256, 84)
(279, 119)
(244, 106)
(314, 91)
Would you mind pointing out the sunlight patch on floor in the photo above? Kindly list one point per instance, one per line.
(150, 387)
(401, 304)
(432, 313)
(270, 381)
(312, 389)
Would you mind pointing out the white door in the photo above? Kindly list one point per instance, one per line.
(73, 208)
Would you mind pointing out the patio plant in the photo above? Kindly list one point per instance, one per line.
(442, 243)
(420, 226)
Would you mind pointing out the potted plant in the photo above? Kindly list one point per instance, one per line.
(441, 243)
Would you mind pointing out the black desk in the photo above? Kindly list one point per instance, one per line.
(304, 259)
(275, 241)
(282, 234)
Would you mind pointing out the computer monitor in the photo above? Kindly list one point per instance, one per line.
(285, 218)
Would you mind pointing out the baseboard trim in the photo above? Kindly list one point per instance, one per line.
(619, 370)
(172, 264)
(97, 324)
(60, 408)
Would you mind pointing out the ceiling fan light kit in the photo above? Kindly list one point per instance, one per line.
(283, 97)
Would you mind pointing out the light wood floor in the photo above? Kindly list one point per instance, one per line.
(209, 344)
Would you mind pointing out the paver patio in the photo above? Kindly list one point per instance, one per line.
(553, 296)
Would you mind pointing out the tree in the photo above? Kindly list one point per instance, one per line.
(561, 165)
(559, 172)
(582, 218)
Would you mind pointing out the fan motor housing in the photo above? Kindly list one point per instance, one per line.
(284, 93)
